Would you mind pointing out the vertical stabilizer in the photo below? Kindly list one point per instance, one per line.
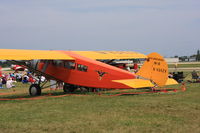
(155, 68)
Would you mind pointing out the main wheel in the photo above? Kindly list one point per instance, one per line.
(68, 88)
(35, 90)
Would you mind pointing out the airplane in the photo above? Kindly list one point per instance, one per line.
(88, 69)
(18, 68)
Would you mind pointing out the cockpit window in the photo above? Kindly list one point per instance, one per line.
(82, 68)
(70, 65)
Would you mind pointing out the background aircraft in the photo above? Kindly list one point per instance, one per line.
(88, 69)
(18, 68)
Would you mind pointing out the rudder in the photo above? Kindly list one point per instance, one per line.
(155, 68)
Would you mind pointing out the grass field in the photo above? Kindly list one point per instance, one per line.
(193, 65)
(165, 112)
(159, 112)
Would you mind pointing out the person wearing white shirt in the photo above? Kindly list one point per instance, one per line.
(10, 84)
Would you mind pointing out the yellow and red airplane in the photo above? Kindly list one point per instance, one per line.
(86, 68)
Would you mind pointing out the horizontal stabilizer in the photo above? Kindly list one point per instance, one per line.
(15, 54)
(171, 81)
(136, 83)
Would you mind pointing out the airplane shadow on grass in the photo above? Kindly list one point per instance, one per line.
(24, 96)
(103, 93)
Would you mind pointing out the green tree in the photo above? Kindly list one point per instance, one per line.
(176, 56)
(198, 56)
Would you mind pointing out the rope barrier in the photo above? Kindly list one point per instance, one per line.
(1, 94)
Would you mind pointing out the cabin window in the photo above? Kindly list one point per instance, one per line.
(54, 62)
(51, 62)
(43, 61)
(69, 65)
(60, 63)
(57, 63)
(82, 68)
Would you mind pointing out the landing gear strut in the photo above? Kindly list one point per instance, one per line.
(35, 89)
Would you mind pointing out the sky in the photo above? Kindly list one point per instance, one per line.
(169, 27)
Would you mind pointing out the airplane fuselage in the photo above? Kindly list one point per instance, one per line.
(86, 72)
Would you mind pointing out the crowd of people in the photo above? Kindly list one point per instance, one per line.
(8, 80)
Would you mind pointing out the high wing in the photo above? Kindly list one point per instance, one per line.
(104, 55)
(15, 54)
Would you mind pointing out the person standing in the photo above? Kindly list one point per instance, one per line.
(135, 67)
(0, 71)
(1, 83)
(176, 66)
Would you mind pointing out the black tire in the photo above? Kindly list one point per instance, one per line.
(35, 90)
(68, 88)
(65, 88)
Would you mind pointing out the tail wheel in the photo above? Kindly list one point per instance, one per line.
(35, 90)
(68, 88)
